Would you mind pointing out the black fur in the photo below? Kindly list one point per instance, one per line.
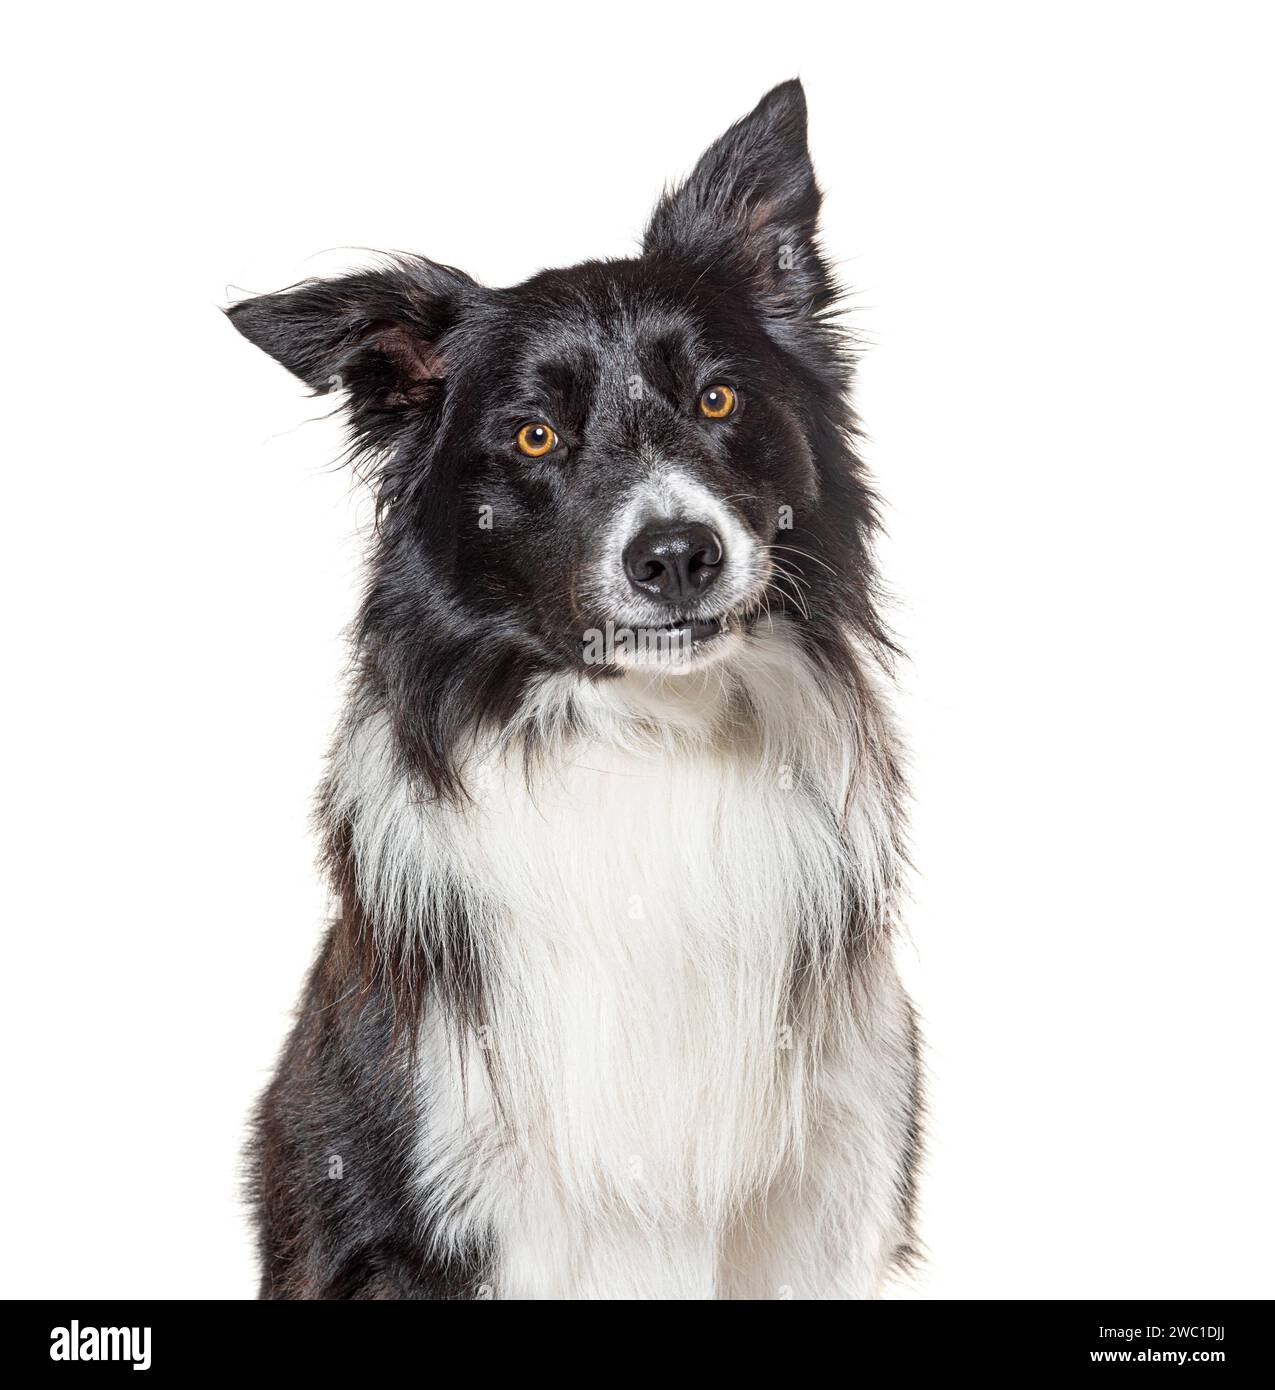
(343, 1094)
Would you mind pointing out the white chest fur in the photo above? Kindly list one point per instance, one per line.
(640, 975)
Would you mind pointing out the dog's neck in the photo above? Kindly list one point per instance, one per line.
(769, 750)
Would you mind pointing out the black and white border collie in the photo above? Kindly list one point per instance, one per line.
(614, 816)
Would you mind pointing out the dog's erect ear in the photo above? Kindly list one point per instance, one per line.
(750, 208)
(378, 335)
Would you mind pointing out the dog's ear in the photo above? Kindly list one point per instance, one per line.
(749, 211)
(378, 335)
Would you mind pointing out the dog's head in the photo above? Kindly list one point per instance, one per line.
(622, 463)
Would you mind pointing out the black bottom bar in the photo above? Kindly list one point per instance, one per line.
(91, 1339)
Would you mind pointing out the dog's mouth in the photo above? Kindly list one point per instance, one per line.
(696, 631)
(692, 632)
(684, 642)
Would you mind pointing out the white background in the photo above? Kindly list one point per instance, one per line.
(1058, 224)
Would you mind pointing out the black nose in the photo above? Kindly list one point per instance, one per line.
(673, 561)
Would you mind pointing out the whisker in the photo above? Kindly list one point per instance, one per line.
(794, 596)
(800, 580)
(796, 550)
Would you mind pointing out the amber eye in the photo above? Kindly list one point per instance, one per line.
(717, 402)
(536, 440)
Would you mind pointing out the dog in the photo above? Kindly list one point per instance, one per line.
(615, 815)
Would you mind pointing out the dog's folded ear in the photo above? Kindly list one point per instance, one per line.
(749, 211)
(378, 335)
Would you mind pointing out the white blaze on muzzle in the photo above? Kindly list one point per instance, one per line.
(667, 496)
